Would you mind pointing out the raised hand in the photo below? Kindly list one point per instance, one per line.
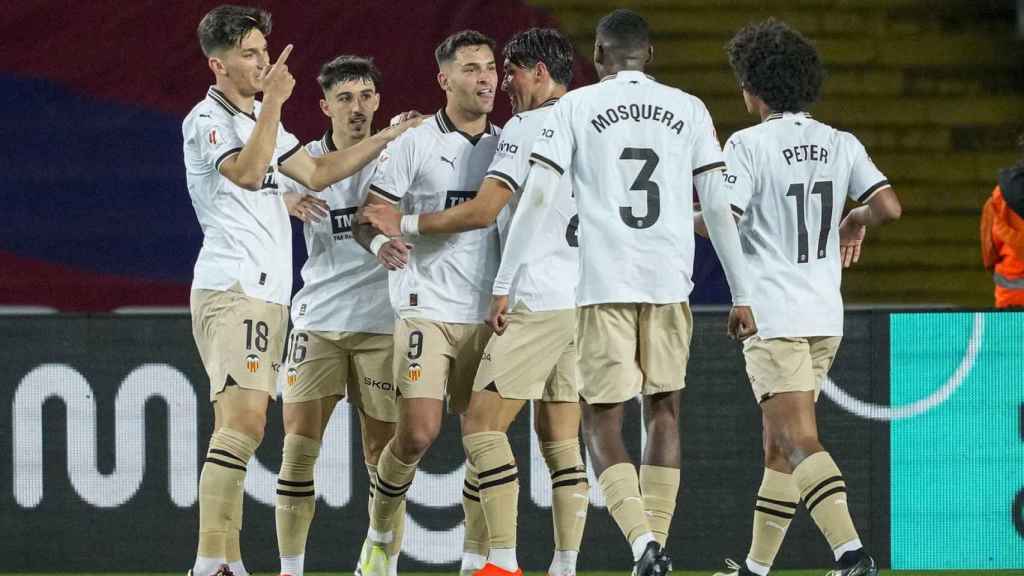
(306, 207)
(278, 82)
(383, 217)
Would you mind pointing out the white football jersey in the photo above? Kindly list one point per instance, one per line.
(344, 288)
(547, 278)
(428, 169)
(631, 147)
(788, 179)
(247, 239)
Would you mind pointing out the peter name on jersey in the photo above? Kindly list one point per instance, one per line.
(636, 113)
(805, 152)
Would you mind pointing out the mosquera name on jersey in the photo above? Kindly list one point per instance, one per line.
(344, 288)
(428, 169)
(788, 180)
(632, 147)
(546, 280)
(246, 234)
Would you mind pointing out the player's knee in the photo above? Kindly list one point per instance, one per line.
(249, 422)
(373, 445)
(797, 446)
(774, 455)
(665, 418)
(414, 442)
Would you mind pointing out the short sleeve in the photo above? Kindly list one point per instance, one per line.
(395, 165)
(511, 160)
(739, 175)
(217, 139)
(287, 144)
(707, 153)
(556, 143)
(865, 177)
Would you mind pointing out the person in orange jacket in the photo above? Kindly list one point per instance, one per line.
(1002, 237)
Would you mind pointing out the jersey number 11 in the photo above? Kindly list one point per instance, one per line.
(797, 191)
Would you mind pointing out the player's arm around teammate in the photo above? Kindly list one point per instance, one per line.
(439, 286)
(789, 179)
(634, 226)
(535, 358)
(242, 279)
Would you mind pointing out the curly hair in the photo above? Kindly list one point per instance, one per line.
(777, 64)
(226, 25)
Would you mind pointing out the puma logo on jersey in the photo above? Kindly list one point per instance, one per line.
(450, 162)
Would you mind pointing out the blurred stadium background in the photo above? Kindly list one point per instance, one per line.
(101, 443)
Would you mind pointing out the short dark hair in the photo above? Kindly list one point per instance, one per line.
(625, 28)
(226, 25)
(777, 64)
(345, 68)
(545, 45)
(445, 51)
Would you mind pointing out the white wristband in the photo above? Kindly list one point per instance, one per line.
(410, 225)
(378, 241)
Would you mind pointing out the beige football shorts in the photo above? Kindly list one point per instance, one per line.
(627, 349)
(355, 365)
(534, 359)
(777, 365)
(438, 359)
(240, 338)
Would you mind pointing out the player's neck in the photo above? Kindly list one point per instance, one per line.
(613, 68)
(549, 92)
(244, 103)
(468, 122)
(343, 140)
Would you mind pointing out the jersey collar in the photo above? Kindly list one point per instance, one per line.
(549, 102)
(328, 140)
(219, 97)
(447, 126)
(780, 115)
(628, 75)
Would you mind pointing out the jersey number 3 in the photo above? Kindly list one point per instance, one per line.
(643, 183)
(797, 191)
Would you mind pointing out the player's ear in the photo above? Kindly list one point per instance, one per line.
(650, 54)
(217, 66)
(376, 102)
(540, 71)
(598, 53)
(324, 108)
(442, 80)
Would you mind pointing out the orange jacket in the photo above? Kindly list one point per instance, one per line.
(1002, 238)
